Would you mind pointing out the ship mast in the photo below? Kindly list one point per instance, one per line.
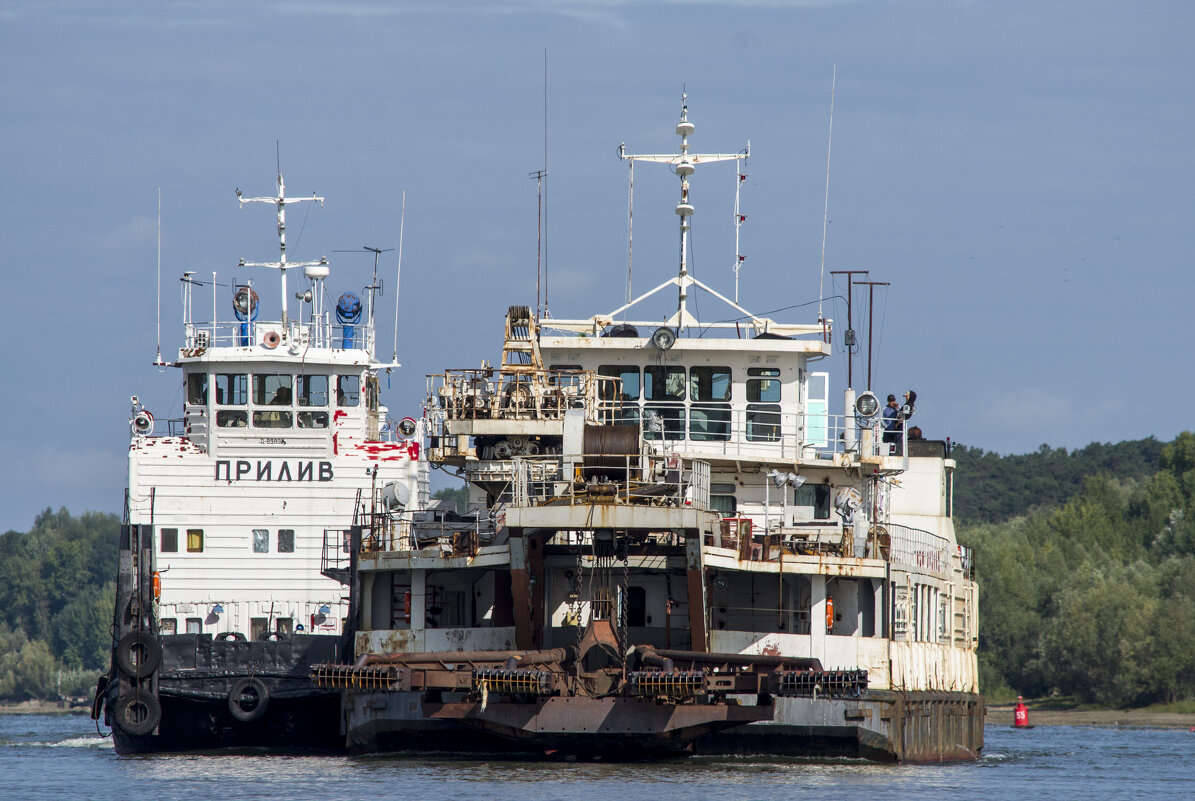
(684, 165)
(282, 265)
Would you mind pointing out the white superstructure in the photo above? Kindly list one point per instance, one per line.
(282, 438)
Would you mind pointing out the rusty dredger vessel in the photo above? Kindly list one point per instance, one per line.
(677, 548)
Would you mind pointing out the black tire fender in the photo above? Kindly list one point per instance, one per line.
(138, 654)
(230, 636)
(137, 713)
(248, 699)
(273, 636)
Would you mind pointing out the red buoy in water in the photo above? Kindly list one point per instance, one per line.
(1020, 715)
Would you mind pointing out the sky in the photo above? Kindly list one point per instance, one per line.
(1020, 171)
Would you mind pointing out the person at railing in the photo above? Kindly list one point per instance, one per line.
(893, 425)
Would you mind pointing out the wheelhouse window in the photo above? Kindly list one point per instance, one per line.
(232, 389)
(313, 419)
(169, 541)
(709, 410)
(763, 404)
(311, 390)
(286, 540)
(261, 540)
(272, 390)
(664, 409)
(195, 625)
(194, 540)
(197, 389)
(168, 625)
(348, 390)
(622, 397)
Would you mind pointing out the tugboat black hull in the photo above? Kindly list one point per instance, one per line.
(232, 695)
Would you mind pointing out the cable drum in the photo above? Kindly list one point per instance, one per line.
(608, 451)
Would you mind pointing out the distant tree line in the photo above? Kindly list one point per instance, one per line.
(1092, 596)
(57, 593)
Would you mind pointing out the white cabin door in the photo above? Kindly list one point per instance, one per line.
(817, 410)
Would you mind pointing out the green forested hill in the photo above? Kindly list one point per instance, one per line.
(1093, 596)
(990, 487)
(1085, 559)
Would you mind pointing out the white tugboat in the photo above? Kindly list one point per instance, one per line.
(688, 554)
(225, 595)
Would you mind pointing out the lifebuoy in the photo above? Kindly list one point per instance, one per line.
(230, 636)
(271, 339)
(138, 654)
(143, 423)
(136, 714)
(157, 583)
(248, 699)
(829, 615)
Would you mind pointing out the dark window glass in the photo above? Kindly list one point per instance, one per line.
(763, 390)
(815, 495)
(272, 419)
(763, 422)
(629, 389)
(195, 625)
(709, 383)
(286, 540)
(261, 540)
(197, 389)
(232, 389)
(348, 390)
(311, 390)
(272, 390)
(231, 419)
(313, 419)
(664, 383)
(169, 540)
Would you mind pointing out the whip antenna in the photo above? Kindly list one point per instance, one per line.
(826, 214)
(402, 221)
(158, 361)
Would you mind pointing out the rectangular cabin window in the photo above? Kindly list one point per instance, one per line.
(194, 540)
(195, 625)
(815, 495)
(272, 419)
(286, 540)
(311, 390)
(261, 540)
(723, 500)
(231, 418)
(709, 412)
(763, 404)
(168, 625)
(197, 389)
(313, 419)
(664, 412)
(283, 626)
(348, 390)
(257, 627)
(232, 389)
(271, 389)
(169, 541)
(622, 397)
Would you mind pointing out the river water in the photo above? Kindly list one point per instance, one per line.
(44, 757)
